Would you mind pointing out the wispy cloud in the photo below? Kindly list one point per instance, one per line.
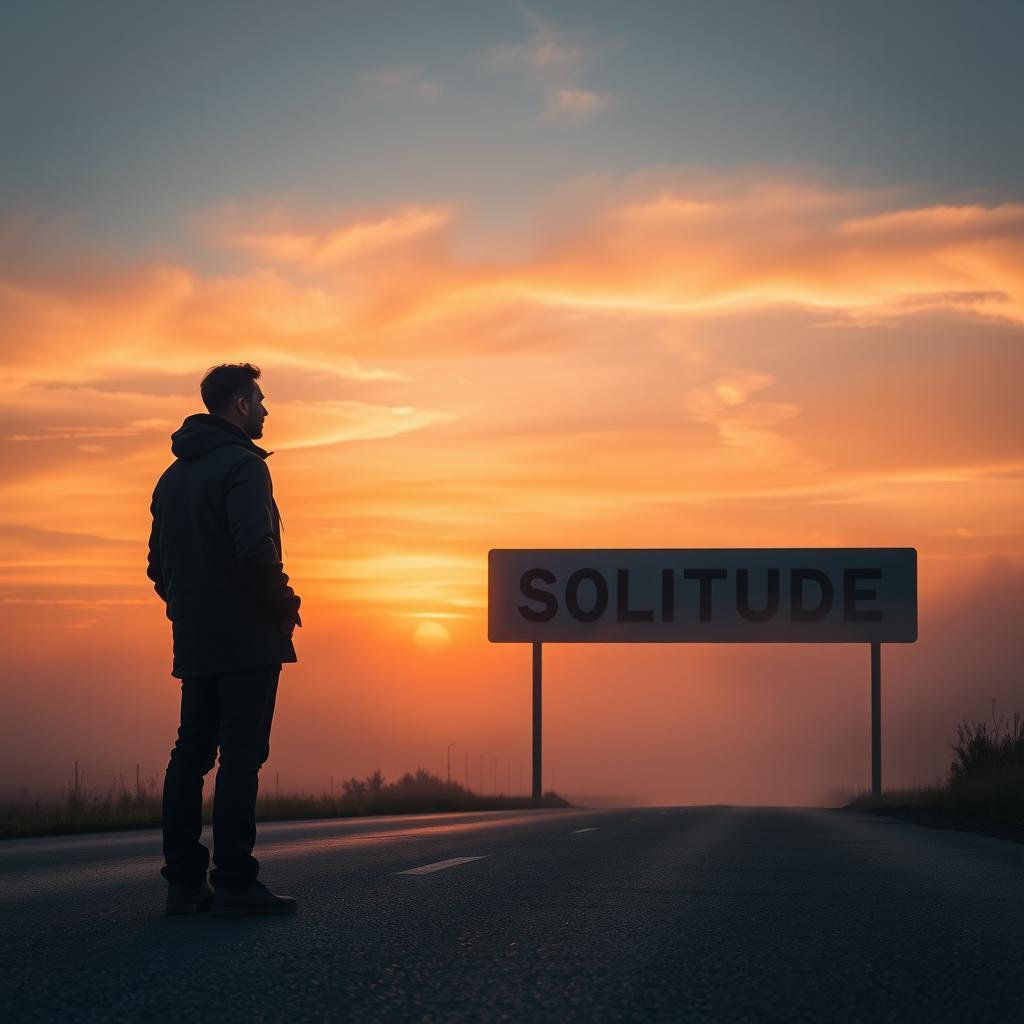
(666, 244)
(755, 427)
(553, 61)
(315, 424)
(683, 244)
(704, 244)
(72, 433)
(398, 83)
(576, 103)
(548, 50)
(274, 235)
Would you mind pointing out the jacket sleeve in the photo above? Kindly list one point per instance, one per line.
(250, 514)
(154, 572)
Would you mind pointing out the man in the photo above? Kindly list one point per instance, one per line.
(215, 559)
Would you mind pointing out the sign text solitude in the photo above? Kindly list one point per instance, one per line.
(700, 595)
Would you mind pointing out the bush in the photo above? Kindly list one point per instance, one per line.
(982, 751)
(986, 777)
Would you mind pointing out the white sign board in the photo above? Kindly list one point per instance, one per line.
(701, 595)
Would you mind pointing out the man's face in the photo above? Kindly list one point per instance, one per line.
(254, 413)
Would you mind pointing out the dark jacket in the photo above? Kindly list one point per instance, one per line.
(215, 552)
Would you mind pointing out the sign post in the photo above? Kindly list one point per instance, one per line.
(876, 720)
(537, 683)
(702, 595)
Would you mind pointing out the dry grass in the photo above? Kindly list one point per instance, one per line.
(986, 777)
(122, 808)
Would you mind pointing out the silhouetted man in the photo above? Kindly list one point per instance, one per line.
(215, 558)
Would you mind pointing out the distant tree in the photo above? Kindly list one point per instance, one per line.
(353, 790)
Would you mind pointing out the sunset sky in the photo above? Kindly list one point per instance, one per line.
(575, 274)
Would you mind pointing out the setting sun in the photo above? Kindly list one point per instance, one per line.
(431, 635)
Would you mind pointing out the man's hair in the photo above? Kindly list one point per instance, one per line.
(223, 384)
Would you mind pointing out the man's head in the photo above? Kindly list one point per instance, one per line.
(231, 392)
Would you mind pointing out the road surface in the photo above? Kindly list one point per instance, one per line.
(676, 914)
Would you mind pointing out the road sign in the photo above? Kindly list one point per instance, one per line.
(701, 595)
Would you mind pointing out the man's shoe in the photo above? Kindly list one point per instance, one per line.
(183, 898)
(257, 899)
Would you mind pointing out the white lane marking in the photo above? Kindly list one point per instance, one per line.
(577, 831)
(438, 865)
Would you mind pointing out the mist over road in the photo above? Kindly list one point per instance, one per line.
(708, 913)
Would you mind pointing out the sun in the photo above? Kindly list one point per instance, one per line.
(431, 636)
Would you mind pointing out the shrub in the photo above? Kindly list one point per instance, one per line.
(985, 780)
(982, 751)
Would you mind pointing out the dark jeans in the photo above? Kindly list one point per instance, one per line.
(232, 710)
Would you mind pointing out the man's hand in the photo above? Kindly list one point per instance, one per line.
(287, 626)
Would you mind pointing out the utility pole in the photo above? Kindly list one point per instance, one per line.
(450, 745)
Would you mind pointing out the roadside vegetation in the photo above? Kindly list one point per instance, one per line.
(121, 807)
(985, 780)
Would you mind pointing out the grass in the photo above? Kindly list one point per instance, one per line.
(76, 810)
(985, 780)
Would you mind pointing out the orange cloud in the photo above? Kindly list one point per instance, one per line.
(693, 248)
(678, 360)
(278, 241)
(314, 424)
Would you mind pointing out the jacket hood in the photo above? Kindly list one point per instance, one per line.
(202, 433)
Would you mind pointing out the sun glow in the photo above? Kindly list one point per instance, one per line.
(431, 636)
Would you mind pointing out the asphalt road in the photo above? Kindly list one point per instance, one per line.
(681, 914)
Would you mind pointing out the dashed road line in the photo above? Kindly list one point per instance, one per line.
(438, 865)
(577, 831)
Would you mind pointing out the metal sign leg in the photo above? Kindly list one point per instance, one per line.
(536, 720)
(876, 720)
